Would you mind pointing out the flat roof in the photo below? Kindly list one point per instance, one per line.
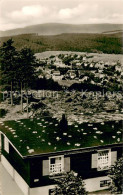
(43, 135)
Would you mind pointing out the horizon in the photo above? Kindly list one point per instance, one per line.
(61, 24)
(28, 13)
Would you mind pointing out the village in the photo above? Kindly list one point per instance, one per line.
(81, 68)
(90, 88)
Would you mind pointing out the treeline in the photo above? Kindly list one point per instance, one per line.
(97, 43)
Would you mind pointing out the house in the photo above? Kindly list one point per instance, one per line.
(47, 76)
(85, 78)
(57, 75)
(78, 64)
(49, 61)
(71, 74)
(91, 65)
(36, 151)
(97, 65)
(92, 82)
(100, 71)
(40, 76)
(118, 68)
(99, 75)
(84, 58)
(58, 62)
(85, 64)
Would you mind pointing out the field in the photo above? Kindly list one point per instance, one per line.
(96, 56)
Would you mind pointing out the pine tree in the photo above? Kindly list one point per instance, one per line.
(8, 57)
(17, 67)
(26, 70)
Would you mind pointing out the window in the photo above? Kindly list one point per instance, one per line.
(6, 144)
(105, 183)
(103, 160)
(56, 164)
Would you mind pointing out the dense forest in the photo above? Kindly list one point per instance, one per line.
(95, 43)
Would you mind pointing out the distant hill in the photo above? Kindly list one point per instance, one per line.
(59, 28)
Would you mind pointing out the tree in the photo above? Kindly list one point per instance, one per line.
(8, 56)
(116, 174)
(26, 69)
(17, 66)
(70, 184)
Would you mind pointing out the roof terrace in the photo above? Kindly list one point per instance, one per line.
(43, 135)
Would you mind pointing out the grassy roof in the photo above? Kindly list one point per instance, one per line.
(43, 135)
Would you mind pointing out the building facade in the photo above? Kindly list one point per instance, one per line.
(40, 170)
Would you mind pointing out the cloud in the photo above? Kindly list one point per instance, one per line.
(27, 15)
(72, 12)
(29, 12)
(65, 13)
(33, 10)
(79, 14)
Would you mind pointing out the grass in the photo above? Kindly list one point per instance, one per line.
(44, 135)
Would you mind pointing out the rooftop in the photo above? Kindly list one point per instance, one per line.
(43, 135)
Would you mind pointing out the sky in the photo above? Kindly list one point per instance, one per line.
(21, 13)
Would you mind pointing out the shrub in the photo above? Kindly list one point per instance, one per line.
(3, 112)
(116, 174)
(70, 184)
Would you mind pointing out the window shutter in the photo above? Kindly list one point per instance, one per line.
(94, 161)
(6, 144)
(67, 164)
(113, 157)
(45, 167)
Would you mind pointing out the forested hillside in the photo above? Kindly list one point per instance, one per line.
(97, 43)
